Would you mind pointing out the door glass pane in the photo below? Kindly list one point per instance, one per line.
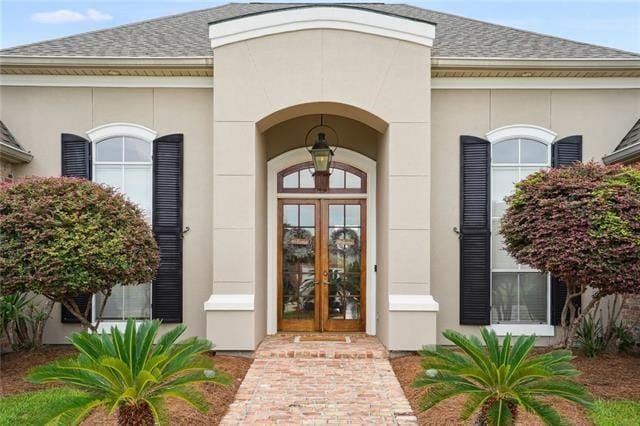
(109, 175)
(505, 152)
(352, 215)
(290, 214)
(533, 296)
(109, 150)
(502, 184)
(336, 215)
(336, 180)
(307, 215)
(504, 297)
(298, 262)
(533, 152)
(344, 297)
(306, 179)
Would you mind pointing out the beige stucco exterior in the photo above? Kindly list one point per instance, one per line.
(376, 91)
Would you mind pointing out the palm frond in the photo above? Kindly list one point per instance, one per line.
(499, 414)
(190, 396)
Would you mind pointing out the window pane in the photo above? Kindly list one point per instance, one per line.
(500, 259)
(290, 214)
(503, 184)
(113, 308)
(290, 180)
(136, 150)
(138, 186)
(109, 175)
(306, 179)
(109, 150)
(533, 297)
(533, 152)
(505, 152)
(353, 181)
(504, 297)
(336, 215)
(137, 301)
(307, 215)
(336, 180)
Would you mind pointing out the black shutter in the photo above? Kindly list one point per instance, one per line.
(167, 227)
(76, 162)
(565, 152)
(475, 230)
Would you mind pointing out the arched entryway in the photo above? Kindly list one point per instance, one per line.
(321, 246)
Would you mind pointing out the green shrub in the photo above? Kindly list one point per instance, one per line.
(64, 237)
(615, 413)
(128, 374)
(499, 379)
(589, 337)
(34, 408)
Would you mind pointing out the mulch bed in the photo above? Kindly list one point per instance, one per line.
(14, 366)
(607, 377)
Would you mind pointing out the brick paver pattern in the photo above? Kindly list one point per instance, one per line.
(294, 382)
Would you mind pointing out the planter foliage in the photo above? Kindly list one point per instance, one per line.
(126, 374)
(582, 224)
(63, 237)
(499, 379)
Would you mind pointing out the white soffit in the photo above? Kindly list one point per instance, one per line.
(321, 17)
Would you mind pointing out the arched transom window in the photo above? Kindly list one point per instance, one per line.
(344, 179)
(519, 294)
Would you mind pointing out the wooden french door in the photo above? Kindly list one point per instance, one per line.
(321, 265)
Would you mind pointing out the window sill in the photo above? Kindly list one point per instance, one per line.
(120, 325)
(541, 330)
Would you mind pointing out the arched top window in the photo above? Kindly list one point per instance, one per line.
(344, 179)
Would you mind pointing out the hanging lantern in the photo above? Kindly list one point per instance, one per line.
(321, 155)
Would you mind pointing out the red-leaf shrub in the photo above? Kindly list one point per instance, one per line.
(62, 237)
(581, 224)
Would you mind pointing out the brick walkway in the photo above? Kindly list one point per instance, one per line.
(294, 382)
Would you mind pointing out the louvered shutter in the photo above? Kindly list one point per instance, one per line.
(565, 152)
(76, 162)
(167, 227)
(475, 231)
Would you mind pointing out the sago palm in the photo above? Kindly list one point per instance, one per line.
(498, 379)
(129, 374)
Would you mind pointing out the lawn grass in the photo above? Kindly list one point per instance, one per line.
(33, 408)
(615, 413)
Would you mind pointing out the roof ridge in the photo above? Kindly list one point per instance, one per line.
(520, 29)
(129, 24)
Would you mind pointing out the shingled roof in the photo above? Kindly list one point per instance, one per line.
(186, 35)
(631, 138)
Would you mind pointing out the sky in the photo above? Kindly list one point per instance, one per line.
(613, 23)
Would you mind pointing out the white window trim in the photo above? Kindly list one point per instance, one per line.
(546, 136)
(96, 135)
(121, 129)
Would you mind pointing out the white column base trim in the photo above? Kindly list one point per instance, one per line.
(541, 330)
(230, 302)
(412, 302)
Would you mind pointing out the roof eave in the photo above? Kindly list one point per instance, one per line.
(88, 61)
(583, 63)
(624, 155)
(14, 155)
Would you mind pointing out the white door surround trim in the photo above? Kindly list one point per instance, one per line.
(308, 17)
(297, 156)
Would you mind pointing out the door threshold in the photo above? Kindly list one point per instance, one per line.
(319, 338)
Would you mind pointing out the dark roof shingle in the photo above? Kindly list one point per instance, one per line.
(186, 35)
(631, 138)
(7, 138)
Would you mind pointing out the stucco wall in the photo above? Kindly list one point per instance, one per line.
(602, 116)
(38, 115)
